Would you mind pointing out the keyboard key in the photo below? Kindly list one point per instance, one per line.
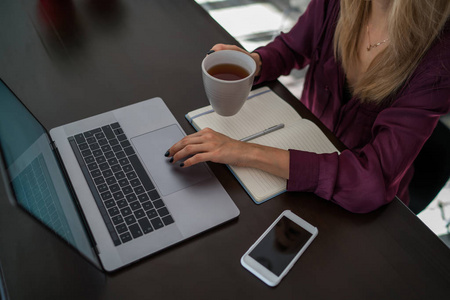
(113, 142)
(116, 168)
(131, 198)
(117, 219)
(135, 182)
(147, 205)
(80, 138)
(120, 154)
(111, 180)
(122, 203)
(123, 161)
(126, 211)
(117, 148)
(107, 150)
(115, 188)
(123, 182)
(113, 211)
(92, 166)
(99, 180)
(129, 151)
(157, 223)
(126, 237)
(86, 152)
(118, 195)
(94, 146)
(130, 219)
(121, 228)
(143, 197)
(135, 205)
(104, 166)
(102, 188)
(109, 154)
(135, 230)
(153, 195)
(106, 195)
(103, 142)
(139, 213)
(113, 161)
(168, 220)
(118, 131)
(119, 175)
(107, 173)
(127, 168)
(145, 225)
(127, 190)
(96, 173)
(89, 159)
(152, 214)
(108, 132)
(99, 136)
(139, 190)
(121, 137)
(83, 146)
(131, 175)
(125, 144)
(115, 125)
(158, 203)
(100, 159)
(110, 203)
(163, 211)
(97, 152)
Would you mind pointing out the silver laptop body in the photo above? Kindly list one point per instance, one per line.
(191, 198)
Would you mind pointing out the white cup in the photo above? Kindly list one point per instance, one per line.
(227, 96)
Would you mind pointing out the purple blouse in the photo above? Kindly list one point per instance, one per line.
(382, 141)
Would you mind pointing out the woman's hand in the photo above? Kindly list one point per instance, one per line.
(208, 145)
(254, 55)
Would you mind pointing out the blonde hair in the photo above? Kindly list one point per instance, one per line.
(413, 25)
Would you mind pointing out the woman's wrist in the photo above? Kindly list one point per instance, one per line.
(269, 159)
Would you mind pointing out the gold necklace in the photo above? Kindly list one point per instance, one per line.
(370, 46)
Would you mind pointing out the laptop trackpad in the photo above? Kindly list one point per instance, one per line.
(168, 177)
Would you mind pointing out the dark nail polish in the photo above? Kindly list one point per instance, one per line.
(209, 52)
(167, 153)
(171, 160)
(182, 165)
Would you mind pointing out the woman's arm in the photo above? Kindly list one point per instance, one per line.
(208, 145)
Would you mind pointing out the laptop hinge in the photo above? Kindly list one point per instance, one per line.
(74, 196)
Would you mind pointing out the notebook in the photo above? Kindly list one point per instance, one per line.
(103, 183)
(264, 110)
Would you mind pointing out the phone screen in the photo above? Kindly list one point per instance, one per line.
(277, 249)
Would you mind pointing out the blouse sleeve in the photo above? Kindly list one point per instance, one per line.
(294, 49)
(363, 180)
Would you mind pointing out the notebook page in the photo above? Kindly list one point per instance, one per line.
(303, 135)
(258, 113)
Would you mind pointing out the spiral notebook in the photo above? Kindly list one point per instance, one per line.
(262, 110)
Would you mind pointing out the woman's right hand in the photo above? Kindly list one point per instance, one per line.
(254, 55)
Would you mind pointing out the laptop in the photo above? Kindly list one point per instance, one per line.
(103, 183)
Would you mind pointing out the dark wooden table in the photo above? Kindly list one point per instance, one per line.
(72, 59)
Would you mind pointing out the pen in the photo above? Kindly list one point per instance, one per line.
(261, 133)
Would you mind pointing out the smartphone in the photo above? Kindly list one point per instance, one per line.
(272, 256)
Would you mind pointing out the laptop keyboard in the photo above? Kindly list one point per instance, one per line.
(123, 191)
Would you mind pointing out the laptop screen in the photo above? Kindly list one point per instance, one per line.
(35, 176)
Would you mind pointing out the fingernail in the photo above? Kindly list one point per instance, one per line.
(167, 153)
(171, 160)
(182, 165)
(210, 51)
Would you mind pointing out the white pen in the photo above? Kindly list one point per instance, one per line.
(261, 133)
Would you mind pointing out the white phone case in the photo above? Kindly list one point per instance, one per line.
(262, 272)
